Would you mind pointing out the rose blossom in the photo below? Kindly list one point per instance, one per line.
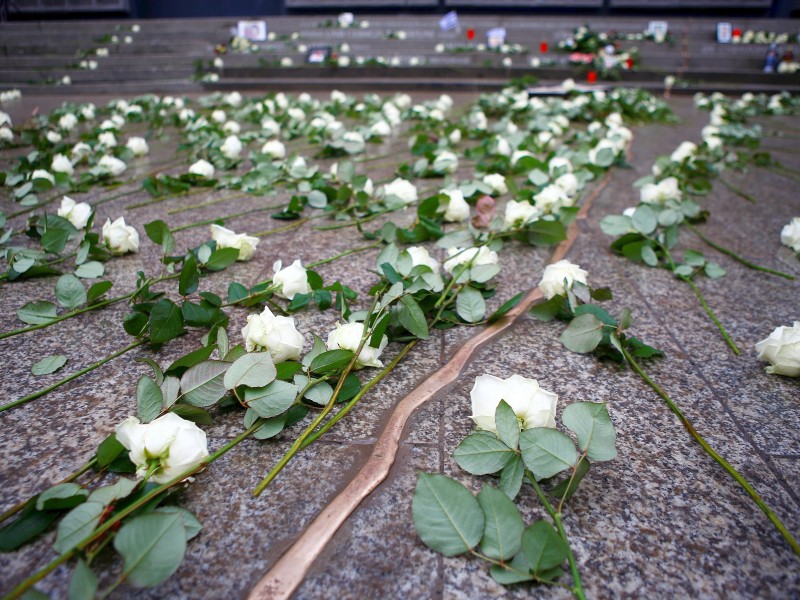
(113, 165)
(203, 168)
(457, 209)
(226, 238)
(77, 213)
(290, 281)
(420, 256)
(175, 444)
(119, 237)
(476, 256)
(274, 334)
(497, 182)
(533, 406)
(348, 337)
(138, 145)
(231, 147)
(790, 234)
(274, 149)
(782, 350)
(402, 189)
(445, 162)
(61, 164)
(559, 277)
(520, 213)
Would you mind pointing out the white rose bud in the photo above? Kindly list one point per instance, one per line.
(219, 116)
(225, 238)
(6, 135)
(559, 165)
(67, 122)
(354, 142)
(421, 256)
(457, 209)
(551, 199)
(380, 128)
(455, 137)
(348, 337)
(113, 165)
(138, 145)
(445, 162)
(231, 147)
(274, 149)
(232, 128)
(497, 182)
(533, 406)
(77, 213)
(53, 137)
(569, 183)
(274, 334)
(290, 281)
(119, 237)
(520, 213)
(790, 234)
(603, 144)
(782, 350)
(684, 151)
(174, 444)
(108, 139)
(61, 164)
(270, 127)
(42, 174)
(559, 277)
(660, 193)
(402, 189)
(203, 168)
(80, 151)
(475, 256)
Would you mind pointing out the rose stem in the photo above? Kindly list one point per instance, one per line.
(92, 367)
(577, 588)
(107, 525)
(160, 199)
(737, 191)
(710, 451)
(223, 218)
(736, 257)
(175, 211)
(18, 507)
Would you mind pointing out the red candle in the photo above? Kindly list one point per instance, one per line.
(470, 34)
(737, 33)
(591, 76)
(543, 47)
(629, 62)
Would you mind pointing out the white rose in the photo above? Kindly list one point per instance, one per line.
(559, 165)
(6, 134)
(202, 168)
(421, 256)
(354, 142)
(518, 155)
(67, 122)
(502, 147)
(455, 137)
(790, 234)
(782, 350)
(474, 256)
(348, 337)
(274, 149)
(119, 237)
(77, 213)
(42, 174)
(231, 147)
(270, 127)
(225, 238)
(457, 209)
(80, 151)
(559, 277)
(53, 137)
(568, 85)
(219, 116)
(112, 165)
(5, 119)
(603, 144)
(520, 213)
(274, 334)
(551, 199)
(175, 444)
(533, 406)
(296, 114)
(138, 145)
(660, 193)
(402, 189)
(569, 183)
(497, 182)
(290, 281)
(477, 120)
(231, 128)
(445, 162)
(61, 164)
(380, 128)
(684, 151)
(233, 99)
(108, 139)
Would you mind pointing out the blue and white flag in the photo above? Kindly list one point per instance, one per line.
(449, 21)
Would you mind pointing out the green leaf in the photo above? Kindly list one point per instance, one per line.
(446, 515)
(503, 525)
(97, 290)
(545, 233)
(543, 547)
(516, 571)
(412, 318)
(111, 493)
(625, 318)
(190, 277)
(569, 486)
(254, 369)
(54, 240)
(24, 528)
(108, 450)
(192, 413)
(49, 364)
(90, 270)
(317, 199)
(649, 256)
(203, 384)
(221, 259)
(270, 428)
(331, 360)
(511, 477)
(644, 220)
(271, 400)
(546, 311)
(190, 523)
(170, 390)
(615, 225)
(583, 334)
(166, 321)
(593, 426)
(470, 305)
(70, 292)
(63, 495)
(159, 232)
(713, 270)
(152, 546)
(506, 306)
(505, 420)
(683, 271)
(194, 357)
(149, 399)
(77, 525)
(482, 454)
(318, 348)
(236, 291)
(83, 583)
(547, 451)
(37, 312)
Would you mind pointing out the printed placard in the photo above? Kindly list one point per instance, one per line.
(496, 37)
(255, 31)
(724, 33)
(318, 54)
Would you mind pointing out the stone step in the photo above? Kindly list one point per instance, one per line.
(13, 78)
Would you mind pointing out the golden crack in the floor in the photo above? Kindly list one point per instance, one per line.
(284, 577)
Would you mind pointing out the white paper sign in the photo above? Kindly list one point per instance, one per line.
(724, 33)
(255, 31)
(496, 37)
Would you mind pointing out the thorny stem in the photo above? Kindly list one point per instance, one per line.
(713, 454)
(737, 191)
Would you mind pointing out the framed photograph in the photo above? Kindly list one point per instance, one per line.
(658, 29)
(255, 31)
(496, 37)
(724, 33)
(318, 54)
